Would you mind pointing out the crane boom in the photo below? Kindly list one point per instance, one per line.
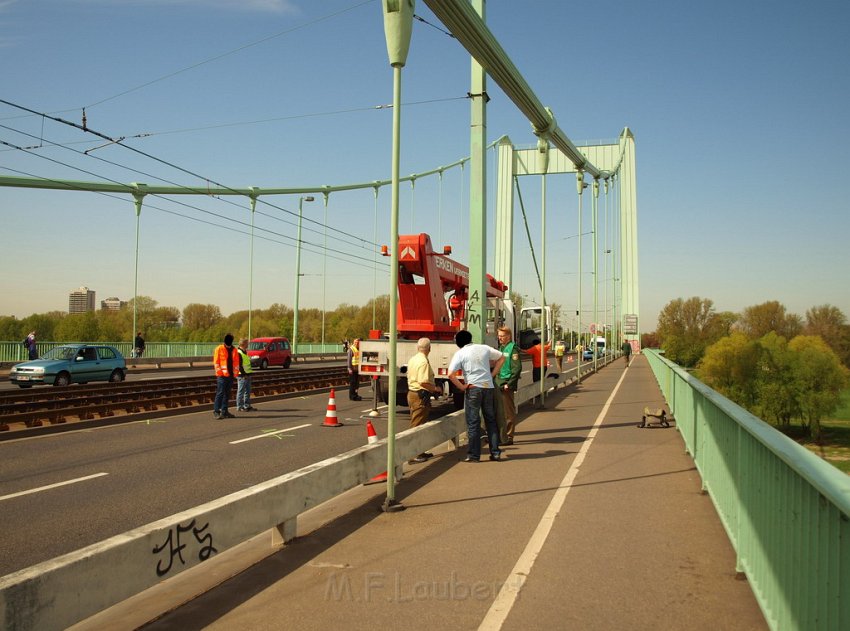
(434, 307)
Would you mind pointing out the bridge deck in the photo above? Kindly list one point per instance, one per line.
(634, 545)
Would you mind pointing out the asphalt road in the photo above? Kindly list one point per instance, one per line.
(120, 477)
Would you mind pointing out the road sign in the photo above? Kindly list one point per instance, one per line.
(630, 324)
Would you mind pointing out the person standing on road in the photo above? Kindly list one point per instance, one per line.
(474, 361)
(139, 345)
(420, 386)
(243, 381)
(560, 349)
(538, 358)
(507, 380)
(627, 351)
(226, 363)
(32, 349)
(354, 369)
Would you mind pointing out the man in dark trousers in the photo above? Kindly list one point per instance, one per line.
(226, 362)
(139, 345)
(474, 361)
(627, 351)
(354, 369)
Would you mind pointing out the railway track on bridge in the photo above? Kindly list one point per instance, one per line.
(101, 404)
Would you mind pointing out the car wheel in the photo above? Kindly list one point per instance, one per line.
(117, 376)
(287, 362)
(62, 379)
(264, 364)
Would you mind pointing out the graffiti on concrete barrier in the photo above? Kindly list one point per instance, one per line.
(174, 546)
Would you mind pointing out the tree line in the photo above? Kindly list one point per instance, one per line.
(198, 323)
(205, 323)
(778, 365)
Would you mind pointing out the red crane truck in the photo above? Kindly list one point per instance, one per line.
(432, 302)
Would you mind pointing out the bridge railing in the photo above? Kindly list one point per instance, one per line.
(786, 511)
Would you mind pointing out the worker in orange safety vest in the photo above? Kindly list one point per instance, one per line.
(226, 363)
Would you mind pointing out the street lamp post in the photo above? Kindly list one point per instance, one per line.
(301, 201)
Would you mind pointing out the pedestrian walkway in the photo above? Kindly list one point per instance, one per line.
(590, 523)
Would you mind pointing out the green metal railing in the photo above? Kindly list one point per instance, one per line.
(786, 511)
(15, 352)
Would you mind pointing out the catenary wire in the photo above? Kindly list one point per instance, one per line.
(202, 210)
(165, 162)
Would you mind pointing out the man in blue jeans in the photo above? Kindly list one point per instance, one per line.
(475, 360)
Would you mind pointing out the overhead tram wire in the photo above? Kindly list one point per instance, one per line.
(367, 108)
(222, 55)
(192, 189)
(319, 252)
(198, 220)
(27, 150)
(120, 140)
(165, 162)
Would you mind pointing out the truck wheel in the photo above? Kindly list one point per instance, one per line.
(264, 364)
(287, 362)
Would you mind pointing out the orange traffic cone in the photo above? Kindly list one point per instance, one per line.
(330, 417)
(371, 434)
(372, 437)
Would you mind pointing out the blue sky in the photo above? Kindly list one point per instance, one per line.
(738, 111)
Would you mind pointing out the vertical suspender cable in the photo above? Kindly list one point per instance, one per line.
(375, 260)
(580, 187)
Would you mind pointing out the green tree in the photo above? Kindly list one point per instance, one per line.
(10, 328)
(198, 317)
(262, 326)
(44, 324)
(759, 320)
(78, 327)
(776, 387)
(730, 366)
(145, 308)
(111, 326)
(830, 324)
(687, 327)
(819, 378)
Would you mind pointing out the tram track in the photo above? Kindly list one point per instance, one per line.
(46, 410)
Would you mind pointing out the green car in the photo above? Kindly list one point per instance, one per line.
(71, 363)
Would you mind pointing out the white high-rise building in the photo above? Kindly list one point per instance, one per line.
(81, 300)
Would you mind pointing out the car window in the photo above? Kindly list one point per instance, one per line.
(60, 352)
(105, 352)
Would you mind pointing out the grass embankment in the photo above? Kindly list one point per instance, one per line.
(835, 440)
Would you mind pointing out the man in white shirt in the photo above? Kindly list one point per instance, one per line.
(475, 360)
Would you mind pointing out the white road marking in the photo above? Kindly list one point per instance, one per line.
(501, 607)
(52, 486)
(280, 431)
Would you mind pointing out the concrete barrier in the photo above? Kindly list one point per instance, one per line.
(62, 591)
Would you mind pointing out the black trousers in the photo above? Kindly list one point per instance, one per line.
(353, 383)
